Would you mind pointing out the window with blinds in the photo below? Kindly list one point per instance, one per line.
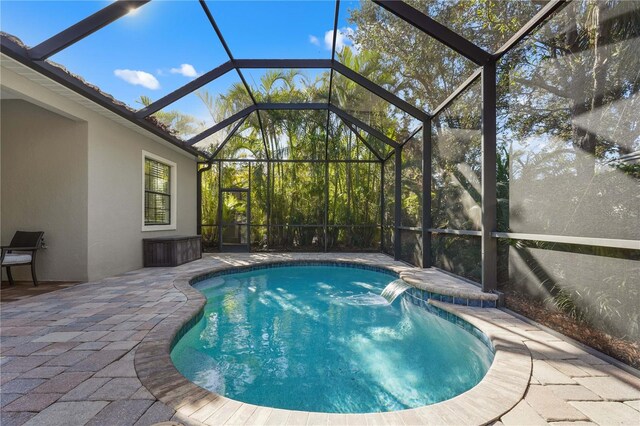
(157, 193)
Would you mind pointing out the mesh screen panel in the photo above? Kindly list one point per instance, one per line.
(456, 161)
(569, 154)
(459, 254)
(411, 247)
(412, 182)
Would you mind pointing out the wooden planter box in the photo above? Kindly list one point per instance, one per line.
(171, 251)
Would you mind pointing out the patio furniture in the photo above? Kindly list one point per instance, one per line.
(22, 251)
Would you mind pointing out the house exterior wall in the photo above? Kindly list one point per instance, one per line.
(113, 202)
(115, 194)
(44, 187)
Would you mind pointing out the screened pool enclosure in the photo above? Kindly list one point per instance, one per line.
(497, 140)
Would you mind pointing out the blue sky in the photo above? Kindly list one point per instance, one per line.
(165, 44)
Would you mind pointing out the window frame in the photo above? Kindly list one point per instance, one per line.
(173, 194)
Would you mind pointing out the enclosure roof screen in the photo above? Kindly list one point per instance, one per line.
(207, 74)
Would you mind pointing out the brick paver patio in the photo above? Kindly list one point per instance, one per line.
(25, 289)
(67, 358)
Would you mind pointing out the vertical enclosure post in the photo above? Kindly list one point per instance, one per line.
(489, 202)
(426, 194)
(382, 163)
(326, 202)
(220, 205)
(328, 130)
(249, 209)
(199, 199)
(398, 204)
(269, 186)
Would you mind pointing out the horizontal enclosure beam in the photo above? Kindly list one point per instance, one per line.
(547, 10)
(282, 63)
(380, 91)
(320, 225)
(562, 239)
(222, 124)
(229, 136)
(360, 138)
(360, 124)
(461, 88)
(455, 232)
(412, 134)
(436, 30)
(233, 189)
(292, 106)
(84, 28)
(284, 160)
(185, 90)
(342, 69)
(582, 241)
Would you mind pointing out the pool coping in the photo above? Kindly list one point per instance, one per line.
(502, 387)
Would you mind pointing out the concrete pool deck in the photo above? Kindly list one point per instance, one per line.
(81, 355)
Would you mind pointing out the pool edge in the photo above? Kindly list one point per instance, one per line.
(502, 387)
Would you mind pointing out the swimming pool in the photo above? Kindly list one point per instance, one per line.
(320, 338)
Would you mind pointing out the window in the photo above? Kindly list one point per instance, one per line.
(157, 193)
(159, 201)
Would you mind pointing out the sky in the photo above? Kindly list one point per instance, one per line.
(165, 44)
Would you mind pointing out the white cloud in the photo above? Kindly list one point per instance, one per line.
(138, 78)
(344, 37)
(314, 40)
(328, 39)
(186, 70)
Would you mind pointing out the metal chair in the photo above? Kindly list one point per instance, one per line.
(22, 251)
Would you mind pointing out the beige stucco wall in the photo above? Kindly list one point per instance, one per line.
(44, 187)
(114, 181)
(115, 194)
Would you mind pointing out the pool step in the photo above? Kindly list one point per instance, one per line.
(431, 285)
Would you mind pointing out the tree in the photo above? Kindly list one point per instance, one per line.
(173, 121)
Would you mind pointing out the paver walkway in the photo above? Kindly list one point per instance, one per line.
(66, 357)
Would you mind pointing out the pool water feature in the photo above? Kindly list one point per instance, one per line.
(321, 338)
(394, 289)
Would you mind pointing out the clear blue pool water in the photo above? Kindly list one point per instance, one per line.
(321, 338)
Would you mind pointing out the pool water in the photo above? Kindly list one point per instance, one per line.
(321, 338)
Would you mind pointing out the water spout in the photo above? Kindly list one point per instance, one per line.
(394, 289)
